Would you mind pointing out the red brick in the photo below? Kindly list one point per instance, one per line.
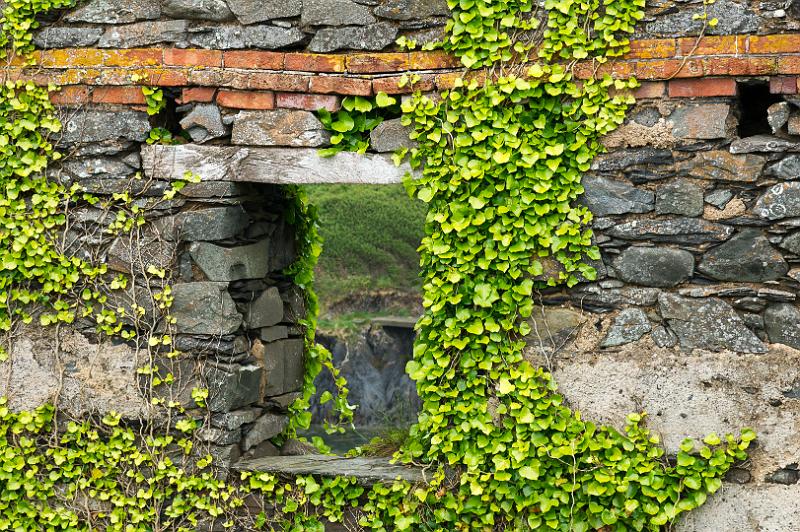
(192, 57)
(740, 66)
(700, 88)
(391, 85)
(774, 44)
(789, 64)
(650, 89)
(651, 49)
(76, 95)
(716, 45)
(119, 95)
(253, 59)
(135, 57)
(340, 85)
(246, 99)
(278, 81)
(377, 63)
(307, 102)
(168, 78)
(314, 62)
(783, 84)
(668, 69)
(198, 94)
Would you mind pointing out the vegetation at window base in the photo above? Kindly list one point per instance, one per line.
(501, 164)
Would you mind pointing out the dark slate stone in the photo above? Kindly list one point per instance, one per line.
(237, 418)
(786, 476)
(618, 160)
(708, 323)
(663, 337)
(232, 264)
(763, 144)
(720, 165)
(204, 308)
(706, 121)
(237, 37)
(252, 11)
(232, 386)
(719, 198)
(284, 366)
(266, 427)
(782, 323)
(97, 167)
(412, 9)
(747, 257)
(215, 223)
(659, 267)
(606, 196)
(778, 115)
(780, 201)
(675, 230)
(679, 197)
(204, 122)
(92, 126)
(145, 34)
(265, 311)
(228, 346)
(373, 37)
(214, 10)
(218, 436)
(788, 168)
(733, 18)
(629, 325)
(115, 11)
(60, 37)
(792, 243)
(335, 13)
(594, 295)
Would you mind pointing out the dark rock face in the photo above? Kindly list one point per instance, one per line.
(250, 12)
(373, 37)
(721, 165)
(781, 201)
(675, 230)
(214, 10)
(787, 168)
(204, 308)
(746, 257)
(734, 17)
(708, 324)
(763, 144)
(679, 197)
(629, 325)
(782, 323)
(659, 267)
(701, 121)
(605, 196)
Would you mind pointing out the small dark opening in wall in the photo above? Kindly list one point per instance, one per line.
(754, 100)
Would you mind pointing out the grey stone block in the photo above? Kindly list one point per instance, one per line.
(266, 427)
(280, 127)
(373, 37)
(284, 361)
(675, 230)
(265, 311)
(390, 136)
(214, 10)
(780, 201)
(251, 11)
(115, 11)
(232, 264)
(782, 323)
(145, 34)
(629, 325)
(335, 13)
(215, 223)
(659, 267)
(605, 197)
(232, 387)
(679, 197)
(747, 257)
(92, 126)
(204, 308)
(700, 121)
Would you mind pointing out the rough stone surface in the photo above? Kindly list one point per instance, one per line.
(787, 168)
(778, 115)
(235, 419)
(266, 427)
(679, 197)
(236, 37)
(606, 196)
(700, 121)
(663, 337)
(335, 13)
(283, 366)
(144, 34)
(733, 18)
(780, 201)
(763, 144)
(265, 311)
(782, 323)
(390, 136)
(793, 127)
(92, 126)
(625, 159)
(659, 267)
(204, 123)
(629, 325)
(204, 308)
(746, 257)
(719, 198)
(232, 387)
(252, 11)
(232, 264)
(214, 10)
(373, 37)
(278, 332)
(281, 127)
(115, 11)
(708, 324)
(214, 223)
(721, 165)
(412, 9)
(676, 230)
(792, 243)
(61, 37)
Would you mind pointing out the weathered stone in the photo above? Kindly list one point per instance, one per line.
(266, 427)
(91, 126)
(780, 201)
(549, 323)
(606, 196)
(115, 11)
(270, 37)
(227, 346)
(788, 168)
(373, 37)
(747, 257)
(237, 418)
(701, 121)
(629, 325)
(204, 308)
(676, 230)
(595, 296)
(720, 165)
(733, 18)
(252, 11)
(793, 127)
(278, 332)
(784, 476)
(763, 144)
(708, 324)
(265, 448)
(214, 10)
(213, 189)
(232, 264)
(792, 243)
(719, 198)
(218, 436)
(204, 122)
(782, 323)
(412, 9)
(61, 37)
(663, 337)
(268, 165)
(265, 311)
(778, 115)
(283, 366)
(390, 136)
(145, 34)
(659, 267)
(97, 167)
(618, 160)
(679, 197)
(232, 387)
(130, 254)
(215, 223)
(237, 37)
(738, 475)
(335, 13)
(281, 127)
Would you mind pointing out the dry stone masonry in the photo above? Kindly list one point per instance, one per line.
(694, 316)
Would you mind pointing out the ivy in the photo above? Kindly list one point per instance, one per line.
(352, 125)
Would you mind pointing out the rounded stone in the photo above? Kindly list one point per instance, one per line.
(659, 267)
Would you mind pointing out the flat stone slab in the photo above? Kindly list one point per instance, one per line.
(367, 471)
(396, 322)
(280, 166)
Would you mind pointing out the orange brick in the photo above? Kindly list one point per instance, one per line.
(136, 57)
(376, 63)
(314, 62)
(253, 59)
(783, 84)
(197, 94)
(168, 78)
(651, 49)
(246, 99)
(716, 45)
(73, 57)
(76, 95)
(700, 88)
(278, 82)
(650, 90)
(432, 61)
(740, 66)
(775, 44)
(789, 64)
(341, 85)
(667, 69)
(307, 102)
(391, 85)
(192, 57)
(447, 81)
(119, 95)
